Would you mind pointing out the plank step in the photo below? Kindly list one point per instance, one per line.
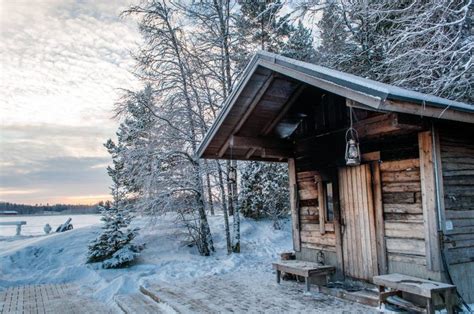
(404, 304)
(363, 296)
(139, 303)
(170, 296)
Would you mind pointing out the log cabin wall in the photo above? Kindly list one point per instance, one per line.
(456, 148)
(405, 243)
(403, 212)
(404, 235)
(309, 201)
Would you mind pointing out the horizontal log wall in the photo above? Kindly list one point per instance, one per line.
(457, 161)
(310, 234)
(403, 213)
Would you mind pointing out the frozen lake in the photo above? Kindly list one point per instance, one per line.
(34, 224)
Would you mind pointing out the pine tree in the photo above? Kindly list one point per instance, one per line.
(300, 44)
(115, 247)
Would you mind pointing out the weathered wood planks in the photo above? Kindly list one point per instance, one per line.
(316, 232)
(457, 163)
(359, 236)
(428, 196)
(293, 205)
(403, 212)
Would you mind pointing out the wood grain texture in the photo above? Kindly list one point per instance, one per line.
(357, 208)
(379, 220)
(428, 196)
(293, 205)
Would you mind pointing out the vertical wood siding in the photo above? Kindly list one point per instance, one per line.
(359, 242)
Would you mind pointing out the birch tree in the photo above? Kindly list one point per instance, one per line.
(214, 48)
(164, 62)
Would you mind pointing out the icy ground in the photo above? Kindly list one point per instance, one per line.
(60, 258)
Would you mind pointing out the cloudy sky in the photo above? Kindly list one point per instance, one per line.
(61, 64)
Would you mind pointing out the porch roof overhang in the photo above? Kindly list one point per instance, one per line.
(271, 83)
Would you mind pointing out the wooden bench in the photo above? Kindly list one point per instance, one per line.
(304, 269)
(18, 225)
(427, 289)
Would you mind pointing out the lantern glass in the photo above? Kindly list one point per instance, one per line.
(352, 153)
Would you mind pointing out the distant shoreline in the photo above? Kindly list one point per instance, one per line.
(50, 214)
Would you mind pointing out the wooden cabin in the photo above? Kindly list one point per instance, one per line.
(407, 208)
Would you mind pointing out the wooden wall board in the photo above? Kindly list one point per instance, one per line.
(428, 192)
(456, 149)
(294, 205)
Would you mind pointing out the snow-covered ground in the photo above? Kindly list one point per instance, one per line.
(60, 258)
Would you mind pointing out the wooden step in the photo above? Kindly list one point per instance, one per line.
(175, 298)
(404, 304)
(363, 296)
(140, 303)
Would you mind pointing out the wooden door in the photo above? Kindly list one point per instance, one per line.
(358, 224)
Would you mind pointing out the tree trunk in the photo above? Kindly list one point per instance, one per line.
(209, 190)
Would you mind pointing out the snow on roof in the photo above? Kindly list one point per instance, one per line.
(364, 85)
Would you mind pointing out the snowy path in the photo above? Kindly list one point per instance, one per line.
(253, 292)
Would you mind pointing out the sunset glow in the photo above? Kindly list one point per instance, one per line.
(62, 63)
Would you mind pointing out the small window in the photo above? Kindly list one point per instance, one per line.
(329, 202)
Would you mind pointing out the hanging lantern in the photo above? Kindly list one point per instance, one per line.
(352, 148)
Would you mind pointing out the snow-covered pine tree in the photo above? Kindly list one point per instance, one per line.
(264, 191)
(425, 46)
(114, 247)
(300, 44)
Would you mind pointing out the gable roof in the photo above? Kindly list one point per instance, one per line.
(365, 93)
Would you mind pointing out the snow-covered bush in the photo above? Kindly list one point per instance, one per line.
(114, 247)
(264, 191)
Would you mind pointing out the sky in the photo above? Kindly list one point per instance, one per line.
(62, 63)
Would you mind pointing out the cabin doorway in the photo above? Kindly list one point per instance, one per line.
(358, 222)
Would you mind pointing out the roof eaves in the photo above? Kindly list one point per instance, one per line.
(227, 104)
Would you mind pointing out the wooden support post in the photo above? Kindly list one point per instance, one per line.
(428, 195)
(278, 274)
(379, 221)
(306, 281)
(322, 204)
(448, 301)
(338, 227)
(440, 183)
(430, 306)
(295, 217)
